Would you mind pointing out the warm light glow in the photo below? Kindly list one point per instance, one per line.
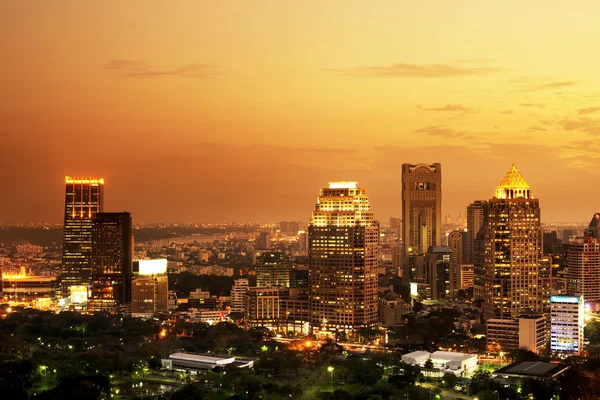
(163, 333)
(153, 267)
(343, 185)
(308, 343)
(330, 369)
(83, 181)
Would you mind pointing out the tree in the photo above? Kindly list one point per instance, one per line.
(449, 380)
(522, 354)
(428, 364)
(418, 306)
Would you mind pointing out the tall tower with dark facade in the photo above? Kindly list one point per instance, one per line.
(343, 254)
(112, 260)
(421, 212)
(477, 215)
(84, 199)
(513, 278)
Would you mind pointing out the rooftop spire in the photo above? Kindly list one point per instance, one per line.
(513, 185)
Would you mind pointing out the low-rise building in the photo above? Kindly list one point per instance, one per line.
(445, 361)
(193, 362)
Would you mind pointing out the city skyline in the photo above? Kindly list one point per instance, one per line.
(199, 102)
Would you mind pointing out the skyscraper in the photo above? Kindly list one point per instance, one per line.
(566, 324)
(593, 229)
(476, 219)
(272, 269)
(513, 248)
(456, 240)
(583, 268)
(440, 275)
(343, 256)
(84, 198)
(112, 260)
(421, 211)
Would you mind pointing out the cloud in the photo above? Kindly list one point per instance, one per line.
(449, 107)
(443, 131)
(536, 105)
(403, 70)
(537, 128)
(139, 69)
(506, 112)
(475, 60)
(533, 83)
(589, 110)
(582, 124)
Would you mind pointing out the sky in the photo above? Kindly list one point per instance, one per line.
(222, 111)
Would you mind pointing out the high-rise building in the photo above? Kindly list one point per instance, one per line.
(112, 260)
(238, 293)
(263, 241)
(150, 288)
(84, 198)
(480, 247)
(570, 234)
(289, 227)
(272, 269)
(456, 242)
(593, 229)
(397, 256)
(583, 268)
(477, 215)
(440, 273)
(513, 249)
(343, 256)
(421, 211)
(566, 324)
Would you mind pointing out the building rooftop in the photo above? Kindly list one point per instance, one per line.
(513, 180)
(201, 358)
(533, 369)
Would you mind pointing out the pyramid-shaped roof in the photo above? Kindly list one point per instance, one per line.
(513, 180)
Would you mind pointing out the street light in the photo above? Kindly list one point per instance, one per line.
(330, 370)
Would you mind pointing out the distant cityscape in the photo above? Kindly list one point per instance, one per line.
(491, 286)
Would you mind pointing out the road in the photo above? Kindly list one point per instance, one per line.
(447, 395)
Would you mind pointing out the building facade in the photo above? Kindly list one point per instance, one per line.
(583, 268)
(343, 256)
(112, 261)
(513, 249)
(238, 294)
(477, 214)
(421, 212)
(566, 324)
(84, 199)
(272, 269)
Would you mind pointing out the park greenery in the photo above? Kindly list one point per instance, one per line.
(72, 356)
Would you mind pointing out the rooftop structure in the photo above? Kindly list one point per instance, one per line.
(530, 370)
(447, 361)
(194, 362)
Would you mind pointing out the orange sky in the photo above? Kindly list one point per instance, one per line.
(242, 110)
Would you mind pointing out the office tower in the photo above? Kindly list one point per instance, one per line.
(289, 227)
(299, 277)
(440, 274)
(467, 277)
(421, 212)
(477, 215)
(513, 248)
(583, 268)
(566, 324)
(397, 256)
(343, 257)
(150, 288)
(238, 292)
(272, 269)
(112, 260)
(84, 198)
(263, 241)
(456, 241)
(593, 229)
